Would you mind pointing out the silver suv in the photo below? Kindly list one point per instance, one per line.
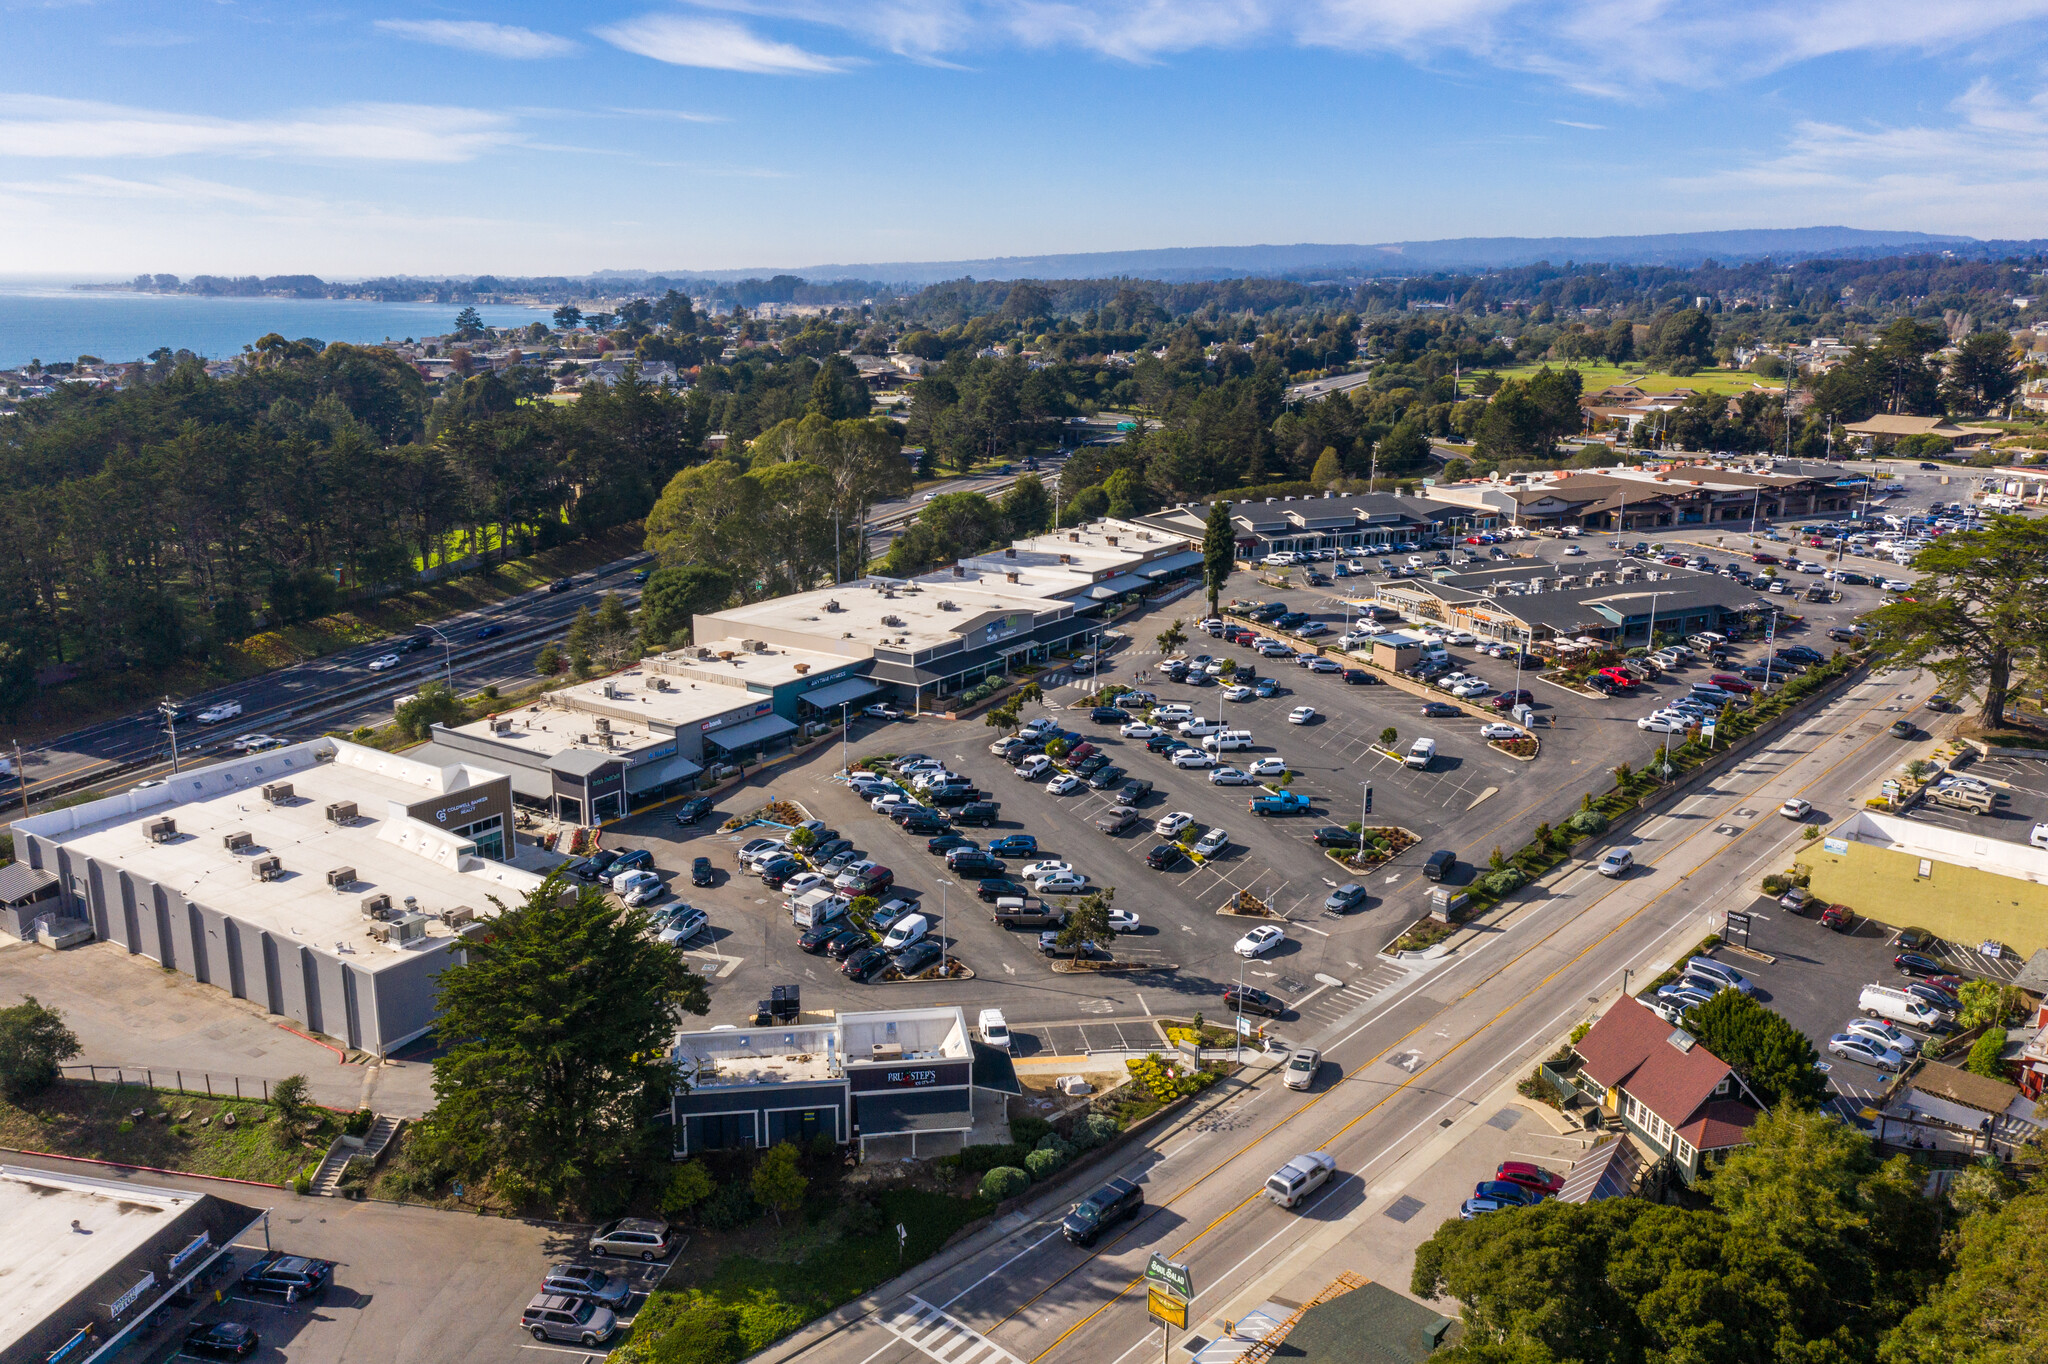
(558, 1316)
(631, 1238)
(588, 1281)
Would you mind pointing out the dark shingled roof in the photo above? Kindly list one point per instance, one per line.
(1372, 1324)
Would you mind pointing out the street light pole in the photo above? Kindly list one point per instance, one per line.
(942, 927)
(447, 656)
(844, 721)
(168, 710)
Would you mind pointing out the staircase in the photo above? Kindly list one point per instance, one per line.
(371, 1146)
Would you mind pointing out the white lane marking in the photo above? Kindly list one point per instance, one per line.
(931, 1331)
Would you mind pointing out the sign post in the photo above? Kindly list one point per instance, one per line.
(1169, 1288)
(1738, 922)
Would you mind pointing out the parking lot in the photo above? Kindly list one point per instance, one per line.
(2019, 786)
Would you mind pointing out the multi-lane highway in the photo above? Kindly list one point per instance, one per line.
(1423, 1065)
(339, 690)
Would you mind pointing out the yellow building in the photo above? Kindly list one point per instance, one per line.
(1966, 887)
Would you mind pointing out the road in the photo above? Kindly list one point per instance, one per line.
(339, 690)
(1424, 1067)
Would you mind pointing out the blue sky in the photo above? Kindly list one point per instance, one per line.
(343, 139)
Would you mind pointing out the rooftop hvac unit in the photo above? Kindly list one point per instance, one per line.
(278, 792)
(949, 606)
(344, 811)
(833, 604)
(458, 916)
(604, 724)
(162, 829)
(267, 868)
(341, 878)
(501, 726)
(752, 646)
(409, 928)
(376, 906)
(610, 691)
(959, 570)
(238, 841)
(885, 1051)
(382, 932)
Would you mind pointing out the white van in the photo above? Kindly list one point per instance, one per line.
(1293, 1182)
(1037, 765)
(905, 931)
(1882, 1001)
(1228, 741)
(1421, 753)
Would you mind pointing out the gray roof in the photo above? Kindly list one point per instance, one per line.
(582, 762)
(1372, 1324)
(945, 1110)
(752, 731)
(2034, 975)
(19, 881)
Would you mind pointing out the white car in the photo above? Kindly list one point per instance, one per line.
(1497, 730)
(1171, 711)
(255, 743)
(378, 665)
(1230, 776)
(802, 883)
(1031, 871)
(1277, 767)
(1212, 842)
(1171, 823)
(1301, 715)
(684, 924)
(639, 887)
(1461, 638)
(1122, 921)
(213, 715)
(1664, 724)
(1260, 941)
(1237, 692)
(1810, 567)
(1193, 758)
(1138, 729)
(1616, 863)
(1061, 883)
(1064, 783)
(1574, 550)
(1471, 687)
(2039, 838)
(1796, 808)
(994, 1029)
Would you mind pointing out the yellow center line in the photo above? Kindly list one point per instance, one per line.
(1412, 1079)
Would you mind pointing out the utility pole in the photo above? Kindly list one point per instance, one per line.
(169, 711)
(21, 775)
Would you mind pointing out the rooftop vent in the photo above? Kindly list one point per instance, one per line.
(1010, 577)
(1066, 558)
(603, 723)
(162, 829)
(949, 606)
(1329, 494)
(833, 605)
(892, 621)
(458, 916)
(801, 668)
(959, 570)
(341, 878)
(376, 906)
(267, 868)
(278, 792)
(344, 811)
(1009, 551)
(1075, 536)
(1109, 539)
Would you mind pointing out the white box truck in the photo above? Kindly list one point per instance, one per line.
(1421, 753)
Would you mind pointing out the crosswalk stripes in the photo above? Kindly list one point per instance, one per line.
(1331, 1006)
(945, 1338)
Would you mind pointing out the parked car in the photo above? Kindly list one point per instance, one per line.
(1529, 1176)
(865, 964)
(1345, 898)
(1212, 842)
(1914, 964)
(1250, 1000)
(220, 1340)
(1167, 825)
(1260, 941)
(1164, 856)
(918, 958)
(559, 1316)
(693, 810)
(297, 1277)
(1013, 845)
(589, 1282)
(1870, 1053)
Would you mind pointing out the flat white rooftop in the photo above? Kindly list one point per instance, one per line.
(790, 1054)
(853, 618)
(50, 1262)
(389, 852)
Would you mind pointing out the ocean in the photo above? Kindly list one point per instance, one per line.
(41, 320)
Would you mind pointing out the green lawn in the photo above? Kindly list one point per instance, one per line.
(178, 1131)
(1596, 377)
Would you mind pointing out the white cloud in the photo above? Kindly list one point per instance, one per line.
(493, 40)
(1574, 123)
(1985, 173)
(718, 44)
(40, 126)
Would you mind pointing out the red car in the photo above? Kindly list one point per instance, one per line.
(1529, 1176)
(1838, 917)
(1080, 751)
(1761, 558)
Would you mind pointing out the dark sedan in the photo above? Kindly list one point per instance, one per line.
(220, 1340)
(593, 867)
(1359, 677)
(813, 940)
(1107, 715)
(1102, 778)
(1913, 964)
(693, 810)
(844, 942)
(490, 632)
(1435, 709)
(998, 888)
(865, 964)
(1330, 836)
(1248, 1000)
(702, 873)
(289, 1276)
(945, 843)
(917, 958)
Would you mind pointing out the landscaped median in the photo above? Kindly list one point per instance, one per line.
(1550, 848)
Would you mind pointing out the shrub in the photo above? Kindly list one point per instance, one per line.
(1777, 884)
(1026, 1130)
(979, 1160)
(700, 1332)
(1504, 882)
(1587, 824)
(688, 1185)
(1043, 1163)
(359, 1122)
(1053, 1141)
(729, 1208)
(1005, 1181)
(1093, 1130)
(1986, 1055)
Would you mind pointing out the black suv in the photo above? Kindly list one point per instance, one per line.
(288, 1276)
(1107, 715)
(999, 887)
(981, 812)
(1247, 1000)
(1108, 1205)
(693, 810)
(1163, 856)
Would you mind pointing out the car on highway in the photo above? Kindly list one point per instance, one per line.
(1302, 1066)
(378, 665)
(1260, 941)
(1112, 1203)
(561, 585)
(1301, 715)
(1212, 842)
(490, 632)
(255, 743)
(1616, 863)
(1863, 1049)
(1796, 808)
(214, 714)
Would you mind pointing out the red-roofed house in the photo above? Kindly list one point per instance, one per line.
(1671, 1093)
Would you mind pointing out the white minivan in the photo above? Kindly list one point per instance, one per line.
(905, 931)
(1882, 1001)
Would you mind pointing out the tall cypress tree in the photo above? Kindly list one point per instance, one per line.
(1219, 550)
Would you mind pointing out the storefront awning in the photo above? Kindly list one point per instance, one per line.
(841, 692)
(1115, 587)
(650, 776)
(1172, 563)
(749, 733)
(890, 1115)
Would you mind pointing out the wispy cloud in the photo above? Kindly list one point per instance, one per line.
(1574, 123)
(41, 126)
(719, 44)
(679, 115)
(493, 40)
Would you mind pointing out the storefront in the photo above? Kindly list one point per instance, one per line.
(747, 739)
(589, 787)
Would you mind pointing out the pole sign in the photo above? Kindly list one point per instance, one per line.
(1173, 1277)
(1166, 1309)
(1739, 923)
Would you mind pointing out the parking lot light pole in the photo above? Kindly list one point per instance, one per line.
(942, 927)
(845, 714)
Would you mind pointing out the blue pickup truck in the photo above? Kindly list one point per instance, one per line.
(1281, 803)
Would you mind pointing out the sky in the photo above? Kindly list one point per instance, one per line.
(346, 140)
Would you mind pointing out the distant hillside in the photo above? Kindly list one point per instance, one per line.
(1457, 253)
